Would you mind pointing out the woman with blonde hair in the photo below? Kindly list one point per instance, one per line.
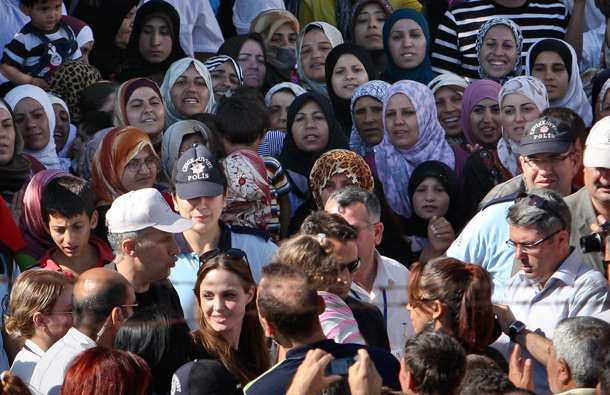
(41, 314)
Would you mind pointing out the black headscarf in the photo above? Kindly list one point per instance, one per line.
(233, 45)
(342, 106)
(291, 157)
(135, 65)
(378, 57)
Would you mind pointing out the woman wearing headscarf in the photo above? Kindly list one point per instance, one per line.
(83, 35)
(298, 154)
(153, 19)
(412, 136)
(563, 82)
(598, 95)
(225, 74)
(499, 45)
(482, 124)
(448, 90)
(37, 130)
(401, 25)
(178, 138)
(347, 67)
(279, 29)
(187, 89)
(310, 70)
(366, 134)
(522, 99)
(368, 18)
(246, 11)
(64, 133)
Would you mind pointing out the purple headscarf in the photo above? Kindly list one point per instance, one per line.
(394, 165)
(474, 93)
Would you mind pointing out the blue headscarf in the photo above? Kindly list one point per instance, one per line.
(422, 73)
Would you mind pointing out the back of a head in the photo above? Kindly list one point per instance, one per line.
(13, 385)
(288, 299)
(242, 118)
(436, 362)
(96, 292)
(485, 381)
(332, 225)
(583, 343)
(67, 197)
(105, 371)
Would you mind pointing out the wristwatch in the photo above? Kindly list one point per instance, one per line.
(514, 329)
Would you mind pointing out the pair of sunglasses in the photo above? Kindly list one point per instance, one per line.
(351, 266)
(233, 253)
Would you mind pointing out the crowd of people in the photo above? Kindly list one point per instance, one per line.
(305, 196)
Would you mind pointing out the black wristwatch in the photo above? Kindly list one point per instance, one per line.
(515, 328)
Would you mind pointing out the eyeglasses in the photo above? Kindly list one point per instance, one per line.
(233, 253)
(537, 164)
(134, 166)
(59, 312)
(351, 266)
(103, 328)
(527, 248)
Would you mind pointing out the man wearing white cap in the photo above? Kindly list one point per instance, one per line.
(141, 228)
(591, 204)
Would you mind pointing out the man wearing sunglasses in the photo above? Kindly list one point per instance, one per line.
(101, 302)
(553, 283)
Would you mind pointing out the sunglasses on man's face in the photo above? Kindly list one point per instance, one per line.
(351, 266)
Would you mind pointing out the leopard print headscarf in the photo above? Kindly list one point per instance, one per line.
(69, 81)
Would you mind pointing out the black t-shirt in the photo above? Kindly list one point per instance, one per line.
(160, 293)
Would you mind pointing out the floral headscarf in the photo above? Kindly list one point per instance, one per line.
(377, 90)
(394, 165)
(335, 162)
(477, 91)
(517, 71)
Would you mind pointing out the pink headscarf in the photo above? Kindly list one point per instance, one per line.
(474, 93)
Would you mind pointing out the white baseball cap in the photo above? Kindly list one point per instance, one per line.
(144, 208)
(597, 146)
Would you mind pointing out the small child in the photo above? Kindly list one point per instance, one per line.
(241, 124)
(41, 46)
(69, 212)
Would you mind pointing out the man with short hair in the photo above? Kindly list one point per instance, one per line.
(549, 161)
(380, 280)
(141, 228)
(102, 299)
(344, 237)
(433, 363)
(577, 357)
(553, 282)
(288, 308)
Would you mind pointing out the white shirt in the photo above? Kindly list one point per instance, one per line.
(575, 289)
(389, 294)
(26, 360)
(48, 375)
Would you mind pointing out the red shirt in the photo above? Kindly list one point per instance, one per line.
(104, 251)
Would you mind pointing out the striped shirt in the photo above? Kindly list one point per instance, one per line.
(454, 47)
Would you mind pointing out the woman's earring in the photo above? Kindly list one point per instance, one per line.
(430, 326)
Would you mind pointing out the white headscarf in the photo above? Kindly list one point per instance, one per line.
(72, 133)
(48, 155)
(296, 89)
(173, 73)
(244, 12)
(533, 89)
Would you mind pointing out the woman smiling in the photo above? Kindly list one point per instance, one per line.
(499, 44)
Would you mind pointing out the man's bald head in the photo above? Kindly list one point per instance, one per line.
(288, 299)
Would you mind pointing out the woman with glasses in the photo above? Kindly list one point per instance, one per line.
(228, 329)
(41, 314)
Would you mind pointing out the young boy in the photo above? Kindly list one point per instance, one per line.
(41, 46)
(69, 212)
(241, 124)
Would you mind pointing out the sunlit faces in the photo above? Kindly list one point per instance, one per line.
(334, 183)
(551, 70)
(345, 252)
(223, 301)
(203, 211)
(71, 235)
(348, 74)
(145, 111)
(314, 50)
(551, 171)
(62, 126)
(224, 77)
(597, 182)
(251, 59)
(157, 254)
(145, 176)
(284, 37)
(498, 55)
(517, 111)
(368, 119)
(449, 109)
(486, 121)
(188, 141)
(190, 93)
(122, 36)
(59, 320)
(44, 15)
(430, 199)
(369, 27)
(401, 121)
(156, 40)
(407, 44)
(278, 109)
(33, 123)
(421, 314)
(310, 128)
(7, 137)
